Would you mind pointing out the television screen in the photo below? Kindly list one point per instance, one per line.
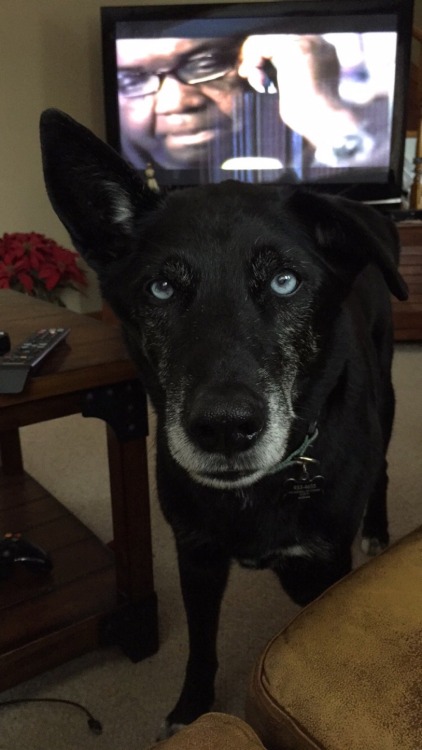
(300, 91)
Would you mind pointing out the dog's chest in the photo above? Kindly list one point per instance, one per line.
(263, 530)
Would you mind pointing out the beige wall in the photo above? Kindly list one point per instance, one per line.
(49, 51)
(50, 56)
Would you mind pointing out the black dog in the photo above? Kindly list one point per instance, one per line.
(260, 320)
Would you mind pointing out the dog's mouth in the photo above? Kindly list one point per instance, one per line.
(228, 476)
(228, 479)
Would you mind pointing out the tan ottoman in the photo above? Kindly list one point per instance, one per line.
(346, 674)
(213, 731)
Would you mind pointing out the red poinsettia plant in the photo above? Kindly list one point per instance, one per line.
(36, 265)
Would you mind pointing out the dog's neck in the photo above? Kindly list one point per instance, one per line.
(298, 456)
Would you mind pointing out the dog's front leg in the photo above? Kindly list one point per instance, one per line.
(203, 579)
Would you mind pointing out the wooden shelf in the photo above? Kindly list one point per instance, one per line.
(35, 607)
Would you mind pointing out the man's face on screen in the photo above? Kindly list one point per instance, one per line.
(175, 97)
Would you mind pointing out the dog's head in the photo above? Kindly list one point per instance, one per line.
(225, 293)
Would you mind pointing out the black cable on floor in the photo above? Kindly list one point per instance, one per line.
(94, 725)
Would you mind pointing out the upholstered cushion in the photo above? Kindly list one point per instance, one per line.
(213, 731)
(346, 674)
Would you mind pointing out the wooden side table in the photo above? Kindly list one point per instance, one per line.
(94, 595)
(407, 315)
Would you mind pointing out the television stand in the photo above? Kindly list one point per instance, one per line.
(407, 316)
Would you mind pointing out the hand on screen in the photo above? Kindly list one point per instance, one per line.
(307, 74)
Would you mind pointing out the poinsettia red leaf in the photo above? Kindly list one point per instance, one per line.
(26, 280)
(22, 264)
(50, 276)
(5, 277)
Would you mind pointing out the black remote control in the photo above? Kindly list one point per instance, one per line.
(27, 356)
(33, 349)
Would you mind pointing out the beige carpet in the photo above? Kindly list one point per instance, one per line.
(131, 699)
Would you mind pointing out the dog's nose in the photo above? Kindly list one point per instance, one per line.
(226, 420)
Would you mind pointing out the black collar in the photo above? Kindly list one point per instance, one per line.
(298, 456)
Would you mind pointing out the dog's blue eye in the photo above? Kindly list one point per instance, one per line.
(161, 289)
(285, 283)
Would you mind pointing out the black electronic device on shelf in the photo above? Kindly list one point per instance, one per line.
(16, 550)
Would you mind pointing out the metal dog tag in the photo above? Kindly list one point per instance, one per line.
(304, 487)
(309, 489)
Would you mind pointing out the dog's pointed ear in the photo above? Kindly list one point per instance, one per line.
(95, 193)
(350, 234)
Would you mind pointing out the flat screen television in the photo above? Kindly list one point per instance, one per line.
(298, 91)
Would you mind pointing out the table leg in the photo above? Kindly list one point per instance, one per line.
(135, 625)
(131, 516)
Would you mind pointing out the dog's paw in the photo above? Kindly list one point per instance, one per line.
(168, 730)
(372, 546)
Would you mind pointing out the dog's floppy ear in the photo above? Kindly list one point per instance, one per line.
(350, 235)
(98, 196)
